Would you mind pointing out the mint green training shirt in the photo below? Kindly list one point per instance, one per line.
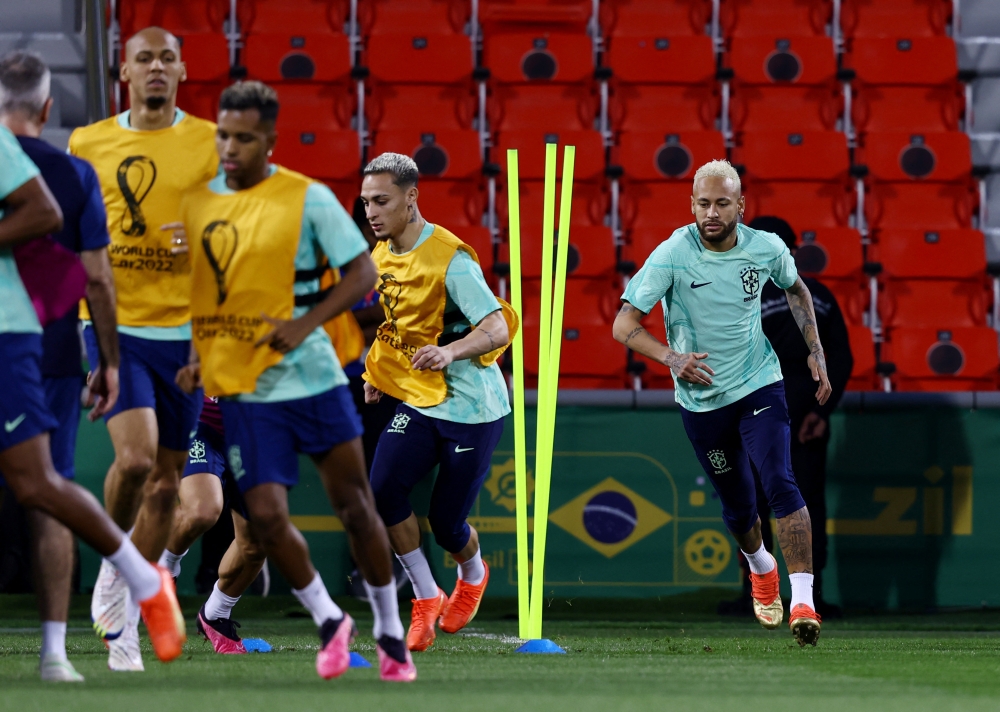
(711, 304)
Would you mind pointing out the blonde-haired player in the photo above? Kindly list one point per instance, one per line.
(145, 159)
(708, 276)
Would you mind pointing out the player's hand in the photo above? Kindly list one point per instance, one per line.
(188, 379)
(436, 358)
(817, 364)
(372, 394)
(813, 427)
(102, 387)
(179, 241)
(691, 368)
(286, 335)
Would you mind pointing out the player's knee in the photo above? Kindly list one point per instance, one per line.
(450, 536)
(740, 522)
(253, 553)
(161, 494)
(134, 465)
(204, 515)
(34, 492)
(358, 514)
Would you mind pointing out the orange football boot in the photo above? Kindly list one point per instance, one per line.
(164, 620)
(805, 623)
(425, 613)
(766, 599)
(463, 604)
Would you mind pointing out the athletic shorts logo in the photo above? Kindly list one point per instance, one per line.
(236, 462)
(11, 425)
(463, 449)
(399, 423)
(220, 239)
(197, 452)
(136, 176)
(717, 459)
(751, 282)
(761, 410)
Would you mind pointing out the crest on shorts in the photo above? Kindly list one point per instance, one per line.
(751, 280)
(236, 462)
(399, 423)
(717, 458)
(197, 452)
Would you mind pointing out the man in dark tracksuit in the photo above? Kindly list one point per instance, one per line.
(810, 421)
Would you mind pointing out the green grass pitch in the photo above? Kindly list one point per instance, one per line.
(672, 654)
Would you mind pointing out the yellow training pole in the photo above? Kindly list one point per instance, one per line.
(520, 448)
(543, 441)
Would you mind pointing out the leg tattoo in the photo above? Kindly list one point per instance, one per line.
(795, 539)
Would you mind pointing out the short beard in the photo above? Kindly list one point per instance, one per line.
(722, 235)
(155, 102)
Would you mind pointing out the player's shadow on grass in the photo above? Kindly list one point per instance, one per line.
(892, 484)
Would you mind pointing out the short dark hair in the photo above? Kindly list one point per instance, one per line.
(780, 227)
(403, 169)
(251, 95)
(24, 83)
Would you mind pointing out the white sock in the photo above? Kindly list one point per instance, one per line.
(317, 601)
(385, 606)
(802, 590)
(473, 571)
(418, 570)
(761, 562)
(219, 605)
(54, 639)
(142, 578)
(172, 562)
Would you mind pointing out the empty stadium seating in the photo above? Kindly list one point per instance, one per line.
(944, 358)
(661, 18)
(652, 155)
(744, 18)
(895, 18)
(295, 42)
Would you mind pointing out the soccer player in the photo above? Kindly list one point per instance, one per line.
(29, 212)
(145, 158)
(708, 277)
(436, 351)
(208, 485)
(25, 102)
(260, 239)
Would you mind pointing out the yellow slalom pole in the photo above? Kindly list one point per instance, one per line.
(520, 448)
(545, 409)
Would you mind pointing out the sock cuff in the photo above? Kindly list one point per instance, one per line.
(414, 557)
(228, 599)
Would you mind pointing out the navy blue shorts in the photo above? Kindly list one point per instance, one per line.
(754, 429)
(62, 395)
(148, 369)
(409, 448)
(208, 456)
(263, 440)
(24, 412)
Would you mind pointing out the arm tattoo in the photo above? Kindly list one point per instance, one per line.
(801, 304)
(632, 333)
(795, 539)
(489, 336)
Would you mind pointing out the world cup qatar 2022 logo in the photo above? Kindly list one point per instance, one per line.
(220, 239)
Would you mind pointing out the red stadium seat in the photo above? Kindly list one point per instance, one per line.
(806, 205)
(439, 154)
(570, 14)
(920, 206)
(773, 18)
(589, 207)
(425, 58)
(906, 61)
(480, 240)
(200, 99)
(943, 358)
(668, 108)
(591, 251)
(323, 154)
(452, 203)
(906, 157)
(378, 17)
(296, 42)
(940, 254)
(346, 191)
(662, 18)
(651, 211)
(539, 57)
(863, 352)
(530, 145)
(760, 108)
(561, 107)
(651, 59)
(895, 18)
(653, 155)
(830, 253)
(178, 16)
(938, 303)
(928, 108)
(803, 155)
(319, 106)
(393, 106)
(783, 61)
(205, 55)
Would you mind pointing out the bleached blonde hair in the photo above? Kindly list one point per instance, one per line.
(719, 169)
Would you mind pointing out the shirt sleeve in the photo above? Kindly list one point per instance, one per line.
(467, 287)
(783, 272)
(651, 283)
(18, 169)
(93, 217)
(331, 227)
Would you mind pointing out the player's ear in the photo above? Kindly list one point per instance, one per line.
(692, 205)
(742, 205)
(43, 118)
(412, 194)
(184, 72)
(123, 71)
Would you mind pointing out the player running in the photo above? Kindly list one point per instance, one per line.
(145, 158)
(261, 237)
(25, 102)
(708, 276)
(30, 212)
(207, 487)
(436, 351)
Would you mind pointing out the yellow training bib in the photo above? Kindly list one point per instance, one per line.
(243, 248)
(413, 295)
(143, 175)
